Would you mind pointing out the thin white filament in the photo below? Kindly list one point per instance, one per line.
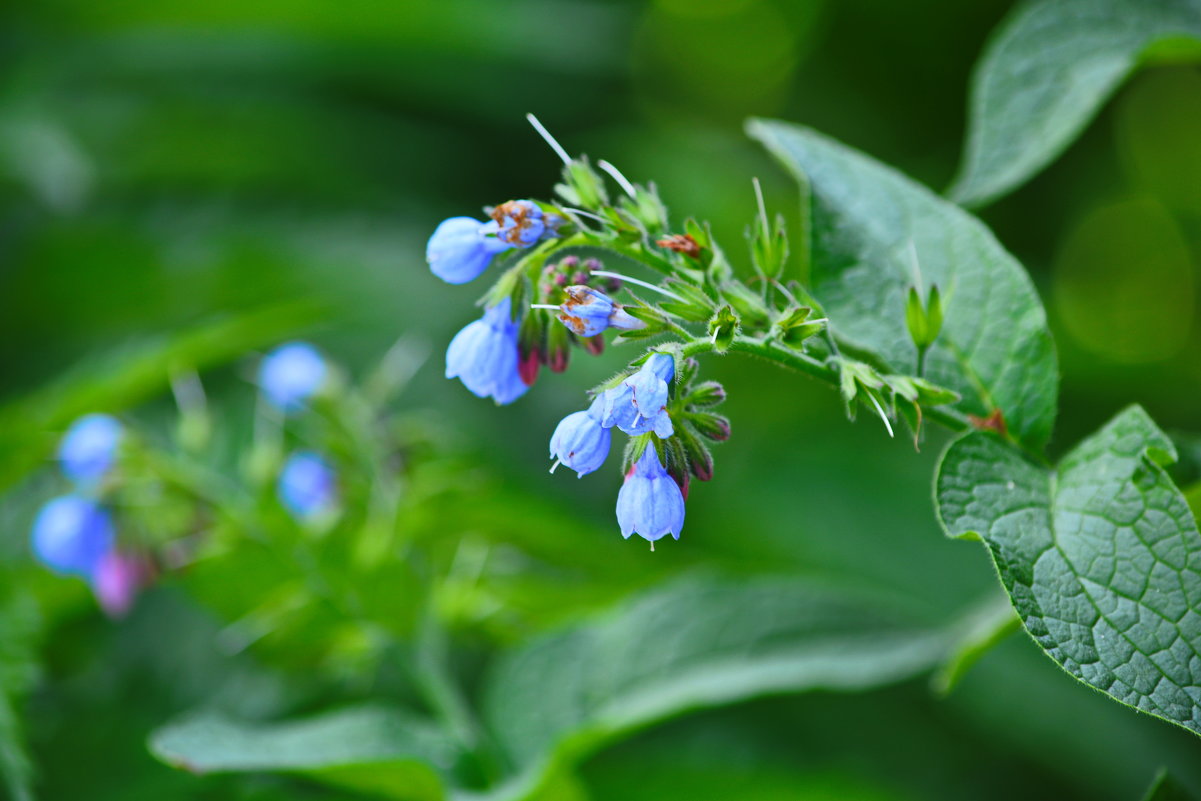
(550, 140)
(659, 289)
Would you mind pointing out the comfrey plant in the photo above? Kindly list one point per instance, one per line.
(545, 300)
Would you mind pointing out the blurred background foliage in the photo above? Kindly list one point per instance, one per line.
(186, 183)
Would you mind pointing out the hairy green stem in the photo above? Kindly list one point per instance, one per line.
(822, 371)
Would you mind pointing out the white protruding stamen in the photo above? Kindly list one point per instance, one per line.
(617, 176)
(556, 464)
(583, 213)
(762, 205)
(619, 276)
(883, 416)
(550, 140)
(543, 306)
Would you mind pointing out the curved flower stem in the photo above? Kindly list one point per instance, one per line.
(822, 371)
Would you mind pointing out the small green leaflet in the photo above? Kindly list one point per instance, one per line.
(374, 749)
(1046, 72)
(869, 225)
(1101, 557)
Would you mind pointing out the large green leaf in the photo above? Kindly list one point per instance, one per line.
(1101, 557)
(1047, 71)
(372, 749)
(868, 222)
(695, 643)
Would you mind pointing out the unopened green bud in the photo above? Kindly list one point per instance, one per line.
(711, 426)
(747, 303)
(923, 320)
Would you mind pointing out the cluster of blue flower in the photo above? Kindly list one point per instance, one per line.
(498, 357)
(289, 376)
(74, 534)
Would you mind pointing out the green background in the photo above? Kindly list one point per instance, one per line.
(164, 165)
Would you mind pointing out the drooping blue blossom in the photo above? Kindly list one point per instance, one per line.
(461, 248)
(307, 485)
(290, 374)
(638, 404)
(484, 356)
(587, 312)
(650, 503)
(89, 448)
(521, 222)
(580, 441)
(71, 534)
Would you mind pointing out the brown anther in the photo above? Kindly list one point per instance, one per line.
(994, 422)
(681, 243)
(573, 322)
(519, 214)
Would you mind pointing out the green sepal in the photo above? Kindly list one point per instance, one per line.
(724, 325)
(647, 208)
(586, 188)
(915, 319)
(795, 327)
(769, 246)
(919, 390)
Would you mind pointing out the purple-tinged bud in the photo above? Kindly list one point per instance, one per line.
(592, 264)
(484, 356)
(700, 461)
(594, 345)
(569, 263)
(650, 503)
(558, 348)
(707, 393)
(71, 534)
(560, 280)
(291, 374)
(89, 448)
(528, 366)
(580, 278)
(580, 442)
(307, 486)
(520, 221)
(117, 580)
(461, 248)
(587, 312)
(711, 426)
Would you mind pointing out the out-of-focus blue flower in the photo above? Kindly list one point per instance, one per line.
(484, 356)
(116, 582)
(580, 441)
(89, 447)
(71, 534)
(461, 248)
(587, 312)
(290, 374)
(650, 503)
(307, 485)
(638, 404)
(521, 222)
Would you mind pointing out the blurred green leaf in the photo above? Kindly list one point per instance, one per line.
(29, 426)
(18, 662)
(1101, 557)
(986, 626)
(1047, 71)
(372, 749)
(694, 643)
(870, 225)
(1165, 788)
